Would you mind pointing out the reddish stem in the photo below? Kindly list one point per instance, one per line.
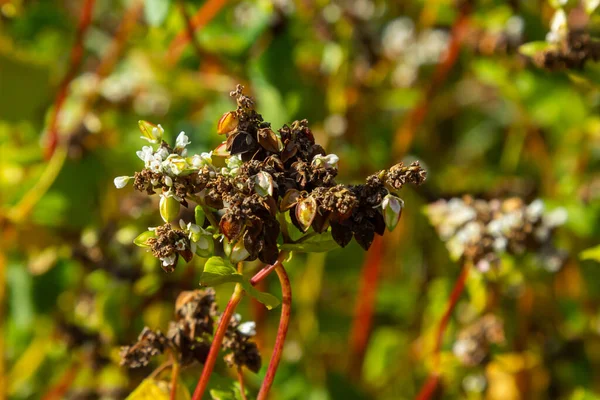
(215, 346)
(406, 133)
(284, 322)
(62, 387)
(76, 56)
(204, 15)
(174, 378)
(365, 305)
(431, 383)
(240, 375)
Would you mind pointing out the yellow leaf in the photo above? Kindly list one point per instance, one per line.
(151, 389)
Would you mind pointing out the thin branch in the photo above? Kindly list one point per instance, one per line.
(284, 323)
(75, 60)
(174, 379)
(240, 375)
(431, 383)
(204, 15)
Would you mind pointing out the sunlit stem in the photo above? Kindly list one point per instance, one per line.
(235, 299)
(284, 322)
(174, 378)
(209, 364)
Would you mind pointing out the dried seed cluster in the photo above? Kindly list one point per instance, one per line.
(473, 344)
(572, 52)
(248, 184)
(479, 231)
(190, 335)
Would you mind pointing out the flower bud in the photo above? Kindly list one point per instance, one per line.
(238, 252)
(392, 210)
(169, 208)
(199, 216)
(121, 181)
(263, 184)
(152, 133)
(142, 238)
(305, 212)
(227, 123)
(204, 246)
(328, 161)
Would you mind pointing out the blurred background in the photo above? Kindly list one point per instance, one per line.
(380, 82)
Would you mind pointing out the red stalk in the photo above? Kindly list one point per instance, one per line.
(204, 15)
(428, 389)
(284, 322)
(406, 133)
(235, 299)
(76, 56)
(365, 305)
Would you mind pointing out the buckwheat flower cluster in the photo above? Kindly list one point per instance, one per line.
(570, 52)
(190, 335)
(479, 231)
(257, 187)
(473, 344)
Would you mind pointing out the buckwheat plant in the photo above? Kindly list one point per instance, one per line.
(479, 233)
(568, 43)
(260, 195)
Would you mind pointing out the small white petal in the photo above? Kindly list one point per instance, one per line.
(247, 328)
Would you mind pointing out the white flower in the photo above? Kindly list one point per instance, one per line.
(180, 245)
(237, 317)
(199, 161)
(168, 260)
(161, 154)
(145, 154)
(121, 181)
(535, 210)
(328, 161)
(558, 26)
(155, 166)
(247, 328)
(182, 141)
(174, 164)
(556, 218)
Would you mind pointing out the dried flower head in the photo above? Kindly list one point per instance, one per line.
(479, 231)
(249, 183)
(190, 335)
(472, 346)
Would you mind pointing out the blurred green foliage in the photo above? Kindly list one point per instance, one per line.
(75, 288)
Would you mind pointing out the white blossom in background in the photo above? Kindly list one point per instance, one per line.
(247, 328)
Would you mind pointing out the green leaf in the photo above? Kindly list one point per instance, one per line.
(591, 254)
(532, 48)
(583, 394)
(156, 11)
(313, 243)
(217, 271)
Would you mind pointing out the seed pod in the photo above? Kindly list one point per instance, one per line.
(392, 210)
(269, 140)
(289, 200)
(169, 208)
(228, 122)
(306, 210)
(231, 228)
